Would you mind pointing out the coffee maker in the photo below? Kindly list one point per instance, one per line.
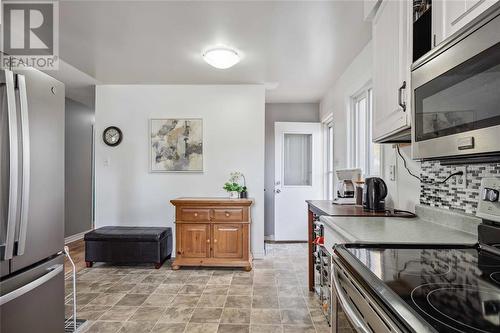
(345, 185)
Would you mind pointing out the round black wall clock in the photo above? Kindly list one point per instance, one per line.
(112, 136)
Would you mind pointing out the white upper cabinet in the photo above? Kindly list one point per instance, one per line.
(448, 16)
(391, 69)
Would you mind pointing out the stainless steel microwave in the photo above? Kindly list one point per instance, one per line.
(456, 93)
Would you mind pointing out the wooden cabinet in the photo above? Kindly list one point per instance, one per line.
(391, 63)
(212, 232)
(228, 241)
(194, 240)
(449, 16)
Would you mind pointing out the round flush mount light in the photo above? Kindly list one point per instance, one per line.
(221, 57)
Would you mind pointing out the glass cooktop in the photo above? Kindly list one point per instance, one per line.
(453, 289)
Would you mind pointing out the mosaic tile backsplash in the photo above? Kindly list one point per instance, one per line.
(451, 195)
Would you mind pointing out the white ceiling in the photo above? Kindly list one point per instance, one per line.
(302, 46)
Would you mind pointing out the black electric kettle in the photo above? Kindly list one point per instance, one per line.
(374, 193)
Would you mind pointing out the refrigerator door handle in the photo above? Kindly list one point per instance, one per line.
(10, 234)
(25, 177)
(52, 273)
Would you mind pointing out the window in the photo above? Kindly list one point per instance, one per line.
(364, 154)
(329, 162)
(297, 160)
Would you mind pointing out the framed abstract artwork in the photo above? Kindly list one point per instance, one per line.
(176, 145)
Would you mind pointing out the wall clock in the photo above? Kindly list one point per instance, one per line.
(112, 136)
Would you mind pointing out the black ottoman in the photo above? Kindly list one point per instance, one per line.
(128, 245)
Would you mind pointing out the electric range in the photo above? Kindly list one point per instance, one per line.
(425, 288)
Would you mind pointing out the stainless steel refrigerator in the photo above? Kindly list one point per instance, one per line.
(31, 202)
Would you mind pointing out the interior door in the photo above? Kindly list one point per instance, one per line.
(194, 240)
(298, 177)
(228, 240)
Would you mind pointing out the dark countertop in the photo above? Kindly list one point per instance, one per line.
(327, 207)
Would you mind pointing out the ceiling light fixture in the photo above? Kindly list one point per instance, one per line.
(221, 57)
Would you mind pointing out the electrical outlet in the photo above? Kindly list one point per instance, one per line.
(392, 172)
(461, 181)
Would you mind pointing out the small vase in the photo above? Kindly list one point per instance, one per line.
(243, 195)
(234, 195)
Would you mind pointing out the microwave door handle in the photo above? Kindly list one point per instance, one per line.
(400, 96)
(25, 191)
(350, 312)
(7, 78)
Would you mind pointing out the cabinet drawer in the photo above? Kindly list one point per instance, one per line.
(229, 214)
(194, 214)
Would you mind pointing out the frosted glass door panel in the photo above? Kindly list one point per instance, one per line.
(297, 159)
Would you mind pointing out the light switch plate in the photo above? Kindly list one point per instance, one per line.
(392, 172)
(485, 209)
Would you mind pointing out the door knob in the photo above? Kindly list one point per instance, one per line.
(278, 191)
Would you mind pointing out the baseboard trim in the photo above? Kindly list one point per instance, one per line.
(74, 238)
(284, 242)
(258, 255)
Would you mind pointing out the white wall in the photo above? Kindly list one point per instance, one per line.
(289, 112)
(233, 124)
(336, 102)
(405, 190)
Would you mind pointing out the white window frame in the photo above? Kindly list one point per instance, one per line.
(329, 160)
(365, 92)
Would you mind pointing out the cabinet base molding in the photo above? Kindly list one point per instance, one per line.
(210, 262)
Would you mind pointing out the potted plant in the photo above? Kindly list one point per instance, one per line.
(233, 188)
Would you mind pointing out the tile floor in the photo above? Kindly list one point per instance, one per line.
(273, 297)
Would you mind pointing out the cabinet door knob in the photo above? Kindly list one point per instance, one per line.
(195, 214)
(227, 214)
(215, 240)
(208, 240)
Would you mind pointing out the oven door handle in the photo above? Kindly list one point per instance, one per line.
(348, 309)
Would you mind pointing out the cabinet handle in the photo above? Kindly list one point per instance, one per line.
(208, 240)
(228, 214)
(400, 96)
(195, 214)
(215, 240)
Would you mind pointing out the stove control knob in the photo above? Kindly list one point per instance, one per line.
(490, 194)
